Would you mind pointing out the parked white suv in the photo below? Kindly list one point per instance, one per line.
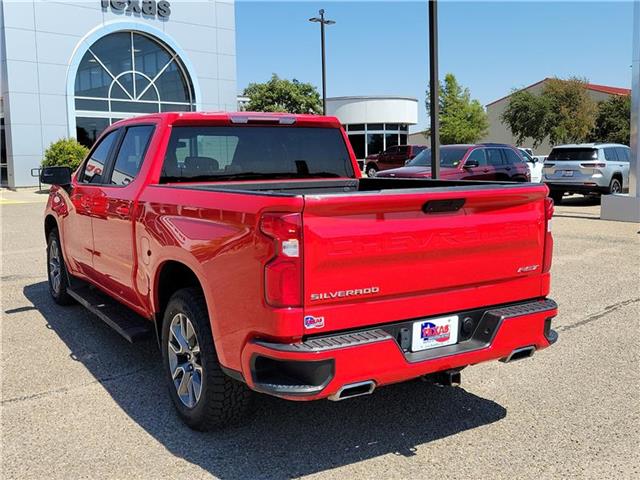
(534, 164)
(587, 168)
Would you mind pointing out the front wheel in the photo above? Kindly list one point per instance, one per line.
(203, 394)
(615, 186)
(56, 270)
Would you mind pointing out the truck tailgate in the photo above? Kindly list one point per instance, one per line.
(388, 246)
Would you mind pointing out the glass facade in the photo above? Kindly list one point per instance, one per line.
(372, 138)
(125, 74)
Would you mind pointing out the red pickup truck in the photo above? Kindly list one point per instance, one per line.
(251, 248)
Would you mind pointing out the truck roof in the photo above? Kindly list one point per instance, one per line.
(238, 118)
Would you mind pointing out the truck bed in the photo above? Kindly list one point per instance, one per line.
(346, 186)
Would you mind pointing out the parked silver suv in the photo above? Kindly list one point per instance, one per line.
(587, 168)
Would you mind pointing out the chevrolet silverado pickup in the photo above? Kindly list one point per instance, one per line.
(252, 249)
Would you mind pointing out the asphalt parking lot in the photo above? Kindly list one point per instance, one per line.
(79, 402)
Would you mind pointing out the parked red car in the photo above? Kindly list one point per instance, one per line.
(250, 247)
(486, 161)
(392, 157)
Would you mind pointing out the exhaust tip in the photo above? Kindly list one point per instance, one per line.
(520, 354)
(352, 390)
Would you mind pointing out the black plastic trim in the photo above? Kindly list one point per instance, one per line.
(332, 342)
(290, 378)
(446, 205)
(486, 323)
(549, 334)
(235, 374)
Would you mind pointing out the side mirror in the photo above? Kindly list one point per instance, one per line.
(471, 164)
(56, 176)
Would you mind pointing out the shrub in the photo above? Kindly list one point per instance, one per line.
(66, 152)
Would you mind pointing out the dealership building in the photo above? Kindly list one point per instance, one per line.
(72, 68)
(374, 123)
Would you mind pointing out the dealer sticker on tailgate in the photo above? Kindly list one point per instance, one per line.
(435, 332)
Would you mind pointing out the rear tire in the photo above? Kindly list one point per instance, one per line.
(615, 186)
(57, 270)
(557, 197)
(203, 394)
(371, 171)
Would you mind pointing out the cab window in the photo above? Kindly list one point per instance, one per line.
(391, 151)
(494, 157)
(94, 166)
(131, 154)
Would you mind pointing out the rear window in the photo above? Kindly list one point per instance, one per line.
(449, 157)
(197, 153)
(568, 154)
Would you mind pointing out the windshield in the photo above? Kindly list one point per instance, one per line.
(198, 153)
(560, 154)
(449, 157)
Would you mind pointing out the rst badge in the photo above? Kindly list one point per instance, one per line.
(313, 322)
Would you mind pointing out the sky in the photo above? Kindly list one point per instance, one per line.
(381, 48)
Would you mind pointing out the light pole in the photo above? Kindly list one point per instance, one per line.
(323, 22)
(434, 83)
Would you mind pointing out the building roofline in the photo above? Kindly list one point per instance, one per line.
(374, 97)
(518, 90)
(590, 86)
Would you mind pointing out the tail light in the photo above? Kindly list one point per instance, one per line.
(548, 239)
(593, 165)
(283, 273)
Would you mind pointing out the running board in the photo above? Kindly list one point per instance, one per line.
(131, 326)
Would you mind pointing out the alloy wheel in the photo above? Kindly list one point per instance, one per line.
(615, 186)
(184, 360)
(55, 270)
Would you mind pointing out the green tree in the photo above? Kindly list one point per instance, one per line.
(462, 120)
(564, 113)
(526, 116)
(66, 152)
(613, 121)
(281, 95)
(572, 112)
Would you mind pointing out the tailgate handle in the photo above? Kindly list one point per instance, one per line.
(439, 206)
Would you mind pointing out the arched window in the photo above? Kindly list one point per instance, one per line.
(125, 74)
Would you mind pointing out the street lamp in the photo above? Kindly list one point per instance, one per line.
(323, 22)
